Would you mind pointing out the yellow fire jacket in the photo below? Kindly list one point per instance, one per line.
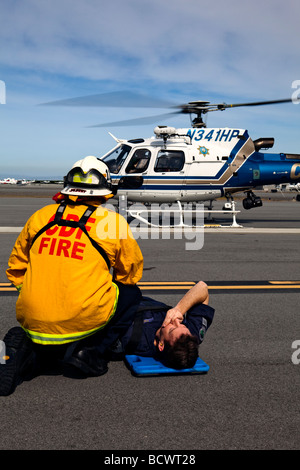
(67, 290)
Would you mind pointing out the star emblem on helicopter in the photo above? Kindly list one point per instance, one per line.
(203, 151)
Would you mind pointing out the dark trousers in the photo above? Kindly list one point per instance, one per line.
(129, 300)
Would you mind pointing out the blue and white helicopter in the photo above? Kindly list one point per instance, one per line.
(194, 164)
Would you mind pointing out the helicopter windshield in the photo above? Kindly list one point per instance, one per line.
(115, 159)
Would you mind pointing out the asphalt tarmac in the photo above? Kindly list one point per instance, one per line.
(248, 400)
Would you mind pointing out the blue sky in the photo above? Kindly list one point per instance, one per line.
(176, 50)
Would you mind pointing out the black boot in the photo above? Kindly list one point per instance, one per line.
(87, 361)
(19, 361)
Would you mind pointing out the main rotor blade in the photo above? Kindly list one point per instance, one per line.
(137, 121)
(118, 99)
(255, 103)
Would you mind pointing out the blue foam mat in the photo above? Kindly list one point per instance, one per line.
(143, 366)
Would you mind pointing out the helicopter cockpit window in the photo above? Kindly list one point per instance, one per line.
(171, 160)
(139, 161)
(116, 158)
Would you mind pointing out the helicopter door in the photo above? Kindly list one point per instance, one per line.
(169, 172)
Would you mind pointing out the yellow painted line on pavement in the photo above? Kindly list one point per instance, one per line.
(164, 282)
(185, 285)
(284, 282)
(166, 287)
(278, 286)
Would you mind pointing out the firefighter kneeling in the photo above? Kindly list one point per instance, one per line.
(73, 280)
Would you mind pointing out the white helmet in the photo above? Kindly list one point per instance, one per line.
(88, 177)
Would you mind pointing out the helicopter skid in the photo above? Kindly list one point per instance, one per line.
(136, 214)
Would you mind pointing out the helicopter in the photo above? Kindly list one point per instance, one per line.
(193, 164)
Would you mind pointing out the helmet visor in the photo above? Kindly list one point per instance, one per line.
(92, 179)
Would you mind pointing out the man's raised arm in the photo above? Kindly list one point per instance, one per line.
(198, 294)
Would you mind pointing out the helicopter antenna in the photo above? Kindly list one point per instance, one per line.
(115, 138)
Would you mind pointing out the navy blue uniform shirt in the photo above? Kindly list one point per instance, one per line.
(198, 319)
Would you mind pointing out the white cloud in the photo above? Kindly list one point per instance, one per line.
(233, 43)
